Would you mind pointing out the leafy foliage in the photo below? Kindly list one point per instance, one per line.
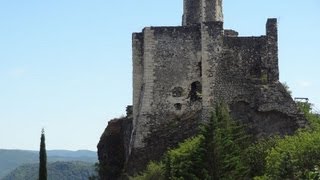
(154, 171)
(313, 119)
(294, 156)
(187, 161)
(255, 155)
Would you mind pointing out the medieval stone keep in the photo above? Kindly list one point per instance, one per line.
(180, 73)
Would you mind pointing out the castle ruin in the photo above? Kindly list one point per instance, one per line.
(180, 72)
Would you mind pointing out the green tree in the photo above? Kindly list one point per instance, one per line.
(187, 161)
(43, 158)
(224, 144)
(255, 155)
(216, 153)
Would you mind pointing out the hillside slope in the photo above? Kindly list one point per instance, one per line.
(11, 159)
(57, 170)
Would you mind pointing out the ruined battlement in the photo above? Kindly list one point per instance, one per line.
(180, 73)
(170, 58)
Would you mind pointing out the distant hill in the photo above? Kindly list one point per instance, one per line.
(56, 170)
(11, 159)
(65, 153)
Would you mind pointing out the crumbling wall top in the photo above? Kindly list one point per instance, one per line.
(198, 11)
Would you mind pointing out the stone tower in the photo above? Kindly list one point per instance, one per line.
(180, 72)
(198, 11)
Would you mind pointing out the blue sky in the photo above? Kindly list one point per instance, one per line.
(66, 65)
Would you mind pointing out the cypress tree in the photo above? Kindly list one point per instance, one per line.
(43, 158)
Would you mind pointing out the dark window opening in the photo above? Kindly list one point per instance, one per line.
(195, 93)
(178, 106)
(177, 92)
(200, 68)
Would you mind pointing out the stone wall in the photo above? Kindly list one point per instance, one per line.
(138, 71)
(211, 43)
(171, 70)
(198, 11)
(272, 49)
(191, 12)
(211, 10)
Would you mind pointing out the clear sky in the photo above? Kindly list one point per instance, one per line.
(65, 65)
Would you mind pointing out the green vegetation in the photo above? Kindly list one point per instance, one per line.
(43, 158)
(186, 161)
(57, 170)
(287, 88)
(222, 150)
(264, 78)
(256, 153)
(224, 143)
(154, 171)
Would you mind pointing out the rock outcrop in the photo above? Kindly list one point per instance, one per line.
(113, 146)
